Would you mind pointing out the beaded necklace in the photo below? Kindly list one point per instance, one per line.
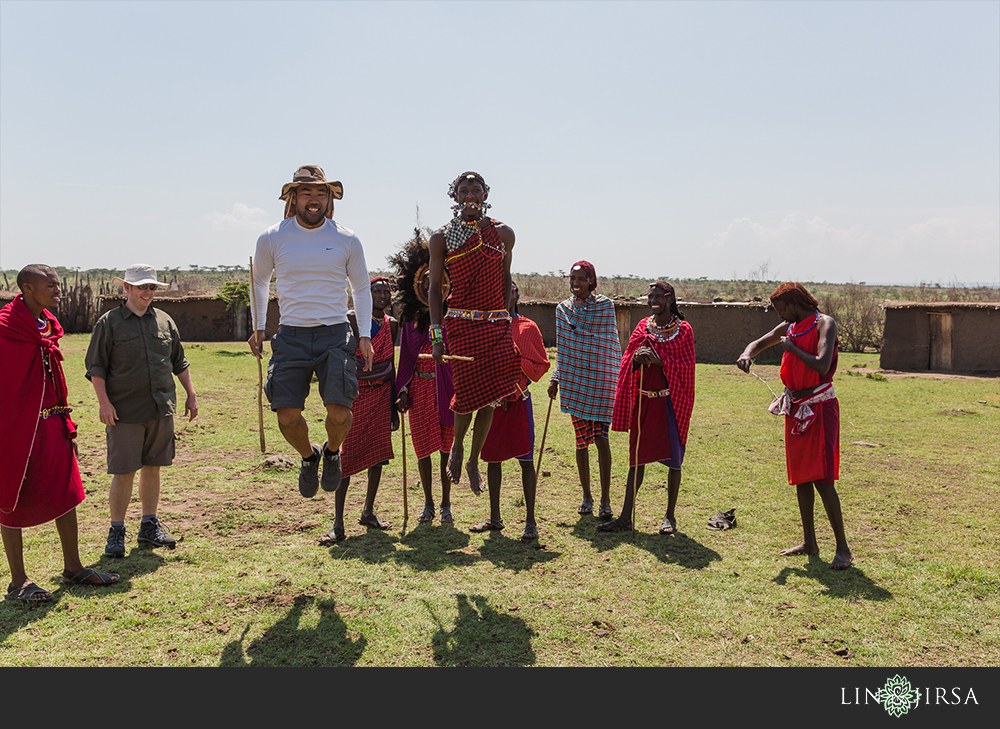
(808, 329)
(459, 231)
(666, 332)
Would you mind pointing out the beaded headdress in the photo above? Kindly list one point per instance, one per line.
(412, 266)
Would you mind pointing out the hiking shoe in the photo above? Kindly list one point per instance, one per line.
(116, 542)
(331, 470)
(152, 532)
(309, 475)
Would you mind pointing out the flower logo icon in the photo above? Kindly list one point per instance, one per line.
(897, 696)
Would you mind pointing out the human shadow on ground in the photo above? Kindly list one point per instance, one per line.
(433, 547)
(286, 644)
(849, 584)
(679, 548)
(15, 615)
(481, 637)
(373, 547)
(512, 554)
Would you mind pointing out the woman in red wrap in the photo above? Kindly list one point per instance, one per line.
(39, 477)
(368, 444)
(654, 401)
(811, 410)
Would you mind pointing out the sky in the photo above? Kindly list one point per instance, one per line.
(813, 141)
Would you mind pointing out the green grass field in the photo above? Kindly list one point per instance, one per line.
(249, 584)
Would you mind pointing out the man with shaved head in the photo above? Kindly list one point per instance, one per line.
(39, 477)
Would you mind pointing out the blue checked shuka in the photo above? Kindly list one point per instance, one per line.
(590, 355)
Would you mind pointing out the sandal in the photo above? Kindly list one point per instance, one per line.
(605, 513)
(586, 507)
(615, 525)
(530, 532)
(333, 536)
(426, 515)
(83, 578)
(488, 526)
(370, 520)
(721, 521)
(30, 594)
(446, 517)
(669, 526)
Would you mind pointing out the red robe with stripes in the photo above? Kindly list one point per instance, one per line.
(677, 374)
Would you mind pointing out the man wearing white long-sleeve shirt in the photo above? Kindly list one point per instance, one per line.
(313, 258)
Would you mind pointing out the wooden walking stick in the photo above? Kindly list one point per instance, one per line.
(538, 468)
(402, 428)
(638, 435)
(456, 357)
(260, 366)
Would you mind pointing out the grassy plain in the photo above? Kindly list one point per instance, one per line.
(249, 585)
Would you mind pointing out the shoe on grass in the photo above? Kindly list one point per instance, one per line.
(116, 542)
(152, 532)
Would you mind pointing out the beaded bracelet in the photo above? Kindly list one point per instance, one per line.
(436, 336)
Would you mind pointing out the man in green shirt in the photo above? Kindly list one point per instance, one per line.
(134, 353)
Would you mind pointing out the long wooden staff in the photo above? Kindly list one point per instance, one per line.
(457, 357)
(538, 468)
(260, 366)
(638, 435)
(402, 428)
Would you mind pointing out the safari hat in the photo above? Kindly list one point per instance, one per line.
(138, 274)
(311, 175)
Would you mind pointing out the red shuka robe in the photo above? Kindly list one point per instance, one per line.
(677, 374)
(39, 476)
(815, 454)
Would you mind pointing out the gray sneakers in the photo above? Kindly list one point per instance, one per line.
(331, 470)
(152, 532)
(116, 542)
(309, 474)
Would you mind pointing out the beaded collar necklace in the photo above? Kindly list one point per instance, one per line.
(459, 231)
(666, 332)
(807, 330)
(44, 327)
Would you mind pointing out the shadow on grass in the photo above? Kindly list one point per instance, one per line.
(286, 644)
(513, 554)
(14, 615)
(849, 584)
(481, 637)
(435, 547)
(139, 561)
(373, 547)
(226, 353)
(679, 549)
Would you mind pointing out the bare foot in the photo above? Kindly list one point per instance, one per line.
(455, 462)
(475, 478)
(842, 560)
(801, 549)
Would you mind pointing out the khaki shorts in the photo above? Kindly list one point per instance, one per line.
(134, 445)
(299, 352)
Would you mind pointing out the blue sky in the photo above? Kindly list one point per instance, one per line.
(837, 141)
